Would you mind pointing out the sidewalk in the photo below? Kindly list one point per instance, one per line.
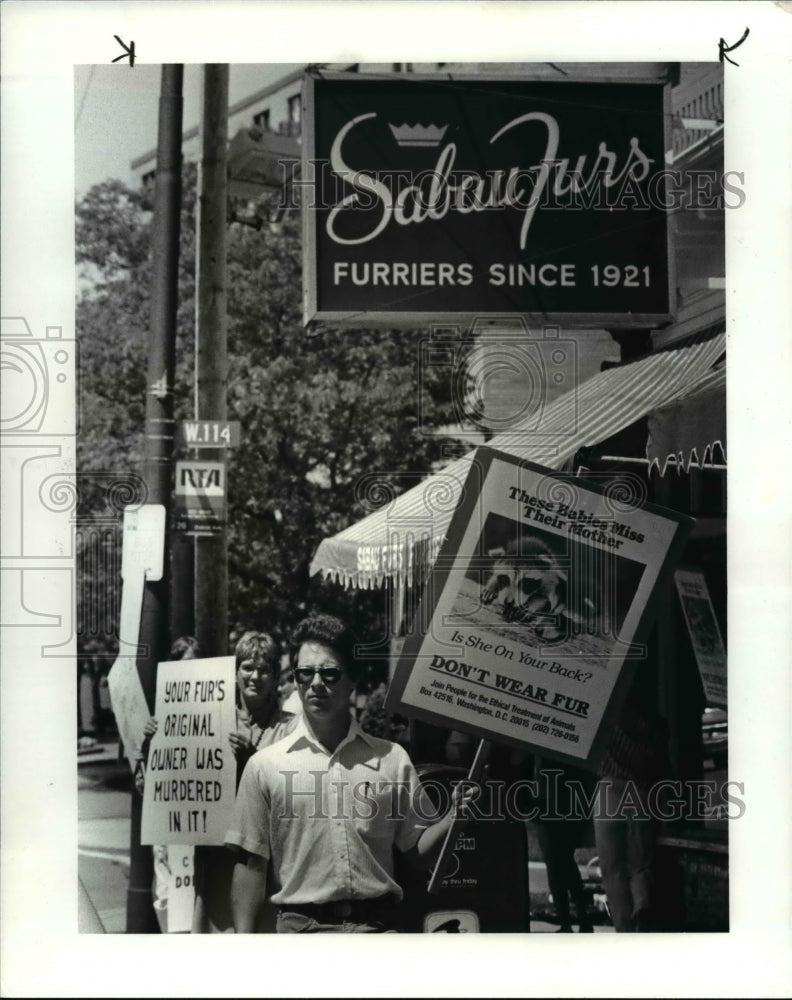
(103, 834)
(542, 913)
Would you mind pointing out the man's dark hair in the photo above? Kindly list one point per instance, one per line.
(328, 631)
(261, 648)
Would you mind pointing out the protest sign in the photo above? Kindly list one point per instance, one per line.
(532, 621)
(191, 770)
(129, 705)
(181, 888)
(704, 634)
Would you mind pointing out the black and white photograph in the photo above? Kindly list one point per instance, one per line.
(429, 396)
(281, 261)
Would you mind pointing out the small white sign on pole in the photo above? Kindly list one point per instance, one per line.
(141, 560)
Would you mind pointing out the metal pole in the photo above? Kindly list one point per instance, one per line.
(211, 368)
(182, 562)
(158, 444)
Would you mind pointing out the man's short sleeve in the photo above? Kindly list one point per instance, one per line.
(250, 823)
(415, 807)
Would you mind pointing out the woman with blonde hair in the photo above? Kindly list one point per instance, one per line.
(260, 722)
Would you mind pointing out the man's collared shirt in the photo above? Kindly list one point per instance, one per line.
(329, 821)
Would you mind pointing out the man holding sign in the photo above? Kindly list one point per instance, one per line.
(326, 806)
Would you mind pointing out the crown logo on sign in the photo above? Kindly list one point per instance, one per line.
(418, 135)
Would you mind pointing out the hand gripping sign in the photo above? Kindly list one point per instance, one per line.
(532, 621)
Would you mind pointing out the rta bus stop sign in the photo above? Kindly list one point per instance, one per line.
(199, 506)
(484, 888)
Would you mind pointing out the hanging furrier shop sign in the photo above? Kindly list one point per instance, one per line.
(537, 609)
(434, 199)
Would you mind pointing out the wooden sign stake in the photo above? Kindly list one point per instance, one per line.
(459, 822)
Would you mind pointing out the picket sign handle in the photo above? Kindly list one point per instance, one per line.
(458, 823)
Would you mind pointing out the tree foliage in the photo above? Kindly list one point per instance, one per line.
(318, 412)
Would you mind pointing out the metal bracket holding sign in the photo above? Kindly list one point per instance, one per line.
(142, 557)
(535, 614)
(199, 507)
(441, 199)
(705, 635)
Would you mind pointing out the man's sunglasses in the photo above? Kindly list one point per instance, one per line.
(329, 675)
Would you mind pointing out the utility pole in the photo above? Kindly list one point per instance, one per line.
(211, 367)
(158, 445)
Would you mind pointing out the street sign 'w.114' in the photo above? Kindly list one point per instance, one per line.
(208, 433)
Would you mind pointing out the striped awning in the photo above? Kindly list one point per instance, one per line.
(690, 431)
(401, 539)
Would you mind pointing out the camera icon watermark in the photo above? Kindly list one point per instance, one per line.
(38, 380)
(500, 377)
